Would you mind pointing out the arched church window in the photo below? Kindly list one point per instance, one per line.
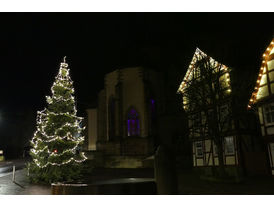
(133, 123)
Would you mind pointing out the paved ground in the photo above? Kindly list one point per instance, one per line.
(191, 184)
(188, 183)
(21, 185)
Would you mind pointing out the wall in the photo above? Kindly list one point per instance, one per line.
(127, 88)
(92, 128)
(111, 80)
(133, 93)
(210, 158)
(102, 126)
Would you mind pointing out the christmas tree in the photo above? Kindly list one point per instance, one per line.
(56, 142)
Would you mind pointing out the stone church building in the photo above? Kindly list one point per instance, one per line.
(124, 125)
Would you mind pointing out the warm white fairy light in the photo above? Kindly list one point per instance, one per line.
(41, 136)
(63, 163)
(198, 55)
(266, 54)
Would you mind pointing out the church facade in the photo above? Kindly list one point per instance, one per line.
(124, 124)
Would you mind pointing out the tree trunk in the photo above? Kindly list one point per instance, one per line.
(165, 171)
(222, 172)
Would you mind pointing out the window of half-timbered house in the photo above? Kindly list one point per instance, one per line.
(199, 149)
(269, 113)
(229, 146)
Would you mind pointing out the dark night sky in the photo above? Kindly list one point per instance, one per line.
(33, 44)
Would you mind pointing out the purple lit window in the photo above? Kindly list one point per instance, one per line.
(133, 123)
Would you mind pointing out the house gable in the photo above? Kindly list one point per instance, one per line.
(265, 82)
(194, 72)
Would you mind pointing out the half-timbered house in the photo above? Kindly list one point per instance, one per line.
(262, 100)
(218, 110)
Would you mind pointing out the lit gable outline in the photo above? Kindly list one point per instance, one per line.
(269, 51)
(191, 69)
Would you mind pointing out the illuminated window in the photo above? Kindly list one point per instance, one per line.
(199, 149)
(269, 113)
(229, 146)
(224, 80)
(133, 123)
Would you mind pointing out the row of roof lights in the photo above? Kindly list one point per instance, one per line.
(265, 56)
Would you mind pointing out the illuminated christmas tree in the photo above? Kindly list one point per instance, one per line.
(56, 142)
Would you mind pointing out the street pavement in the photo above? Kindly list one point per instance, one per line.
(21, 186)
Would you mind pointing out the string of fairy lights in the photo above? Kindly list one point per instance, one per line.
(198, 55)
(262, 70)
(41, 136)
